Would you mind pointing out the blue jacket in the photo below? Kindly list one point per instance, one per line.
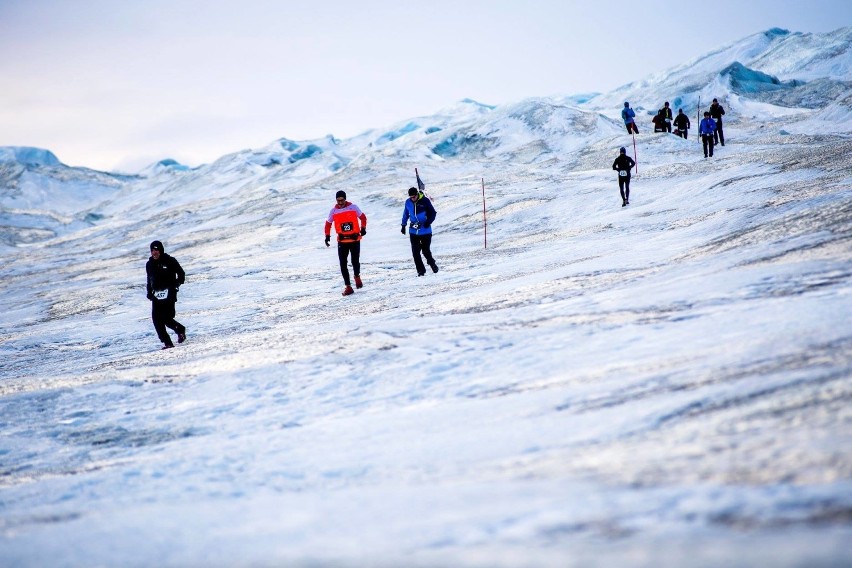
(707, 126)
(421, 213)
(627, 115)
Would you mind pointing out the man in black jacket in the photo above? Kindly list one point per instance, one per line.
(165, 276)
(682, 124)
(623, 164)
(716, 112)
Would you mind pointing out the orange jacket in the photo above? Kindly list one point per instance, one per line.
(345, 220)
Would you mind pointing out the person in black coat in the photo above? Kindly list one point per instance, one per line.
(165, 276)
(666, 113)
(623, 164)
(682, 124)
(716, 112)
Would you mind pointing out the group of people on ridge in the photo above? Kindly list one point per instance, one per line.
(710, 130)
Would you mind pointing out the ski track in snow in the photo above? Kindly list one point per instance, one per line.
(600, 385)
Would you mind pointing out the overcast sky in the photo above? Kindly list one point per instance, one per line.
(119, 85)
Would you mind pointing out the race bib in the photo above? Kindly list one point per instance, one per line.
(415, 225)
(346, 227)
(622, 173)
(161, 294)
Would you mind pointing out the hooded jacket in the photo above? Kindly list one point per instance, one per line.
(707, 127)
(165, 273)
(421, 213)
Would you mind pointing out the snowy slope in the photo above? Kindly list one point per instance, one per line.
(789, 69)
(664, 384)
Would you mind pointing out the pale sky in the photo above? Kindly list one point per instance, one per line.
(118, 85)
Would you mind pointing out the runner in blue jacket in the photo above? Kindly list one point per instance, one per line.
(421, 213)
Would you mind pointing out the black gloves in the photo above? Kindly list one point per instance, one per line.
(151, 296)
(327, 240)
(402, 230)
(363, 231)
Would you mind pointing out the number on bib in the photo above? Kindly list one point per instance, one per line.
(622, 173)
(161, 294)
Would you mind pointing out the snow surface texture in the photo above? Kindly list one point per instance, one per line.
(664, 384)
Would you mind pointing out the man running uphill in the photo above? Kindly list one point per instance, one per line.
(344, 216)
(165, 276)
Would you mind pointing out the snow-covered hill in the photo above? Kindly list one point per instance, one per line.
(662, 384)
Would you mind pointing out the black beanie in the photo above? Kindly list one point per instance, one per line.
(157, 245)
(412, 191)
(340, 193)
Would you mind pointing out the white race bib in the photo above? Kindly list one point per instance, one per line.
(161, 294)
(622, 173)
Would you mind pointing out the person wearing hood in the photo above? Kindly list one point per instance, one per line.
(419, 210)
(345, 217)
(682, 124)
(623, 164)
(165, 276)
(628, 116)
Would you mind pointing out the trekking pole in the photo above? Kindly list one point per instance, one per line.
(484, 220)
(635, 159)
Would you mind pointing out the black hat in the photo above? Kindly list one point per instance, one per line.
(157, 245)
(412, 191)
(706, 113)
(715, 101)
(623, 150)
(626, 104)
(340, 193)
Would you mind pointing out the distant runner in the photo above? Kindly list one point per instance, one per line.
(716, 112)
(628, 116)
(707, 128)
(623, 164)
(682, 124)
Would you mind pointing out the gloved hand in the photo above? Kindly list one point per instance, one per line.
(177, 288)
(363, 231)
(327, 240)
(402, 230)
(150, 296)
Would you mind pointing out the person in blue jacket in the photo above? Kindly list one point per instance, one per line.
(420, 212)
(707, 128)
(628, 116)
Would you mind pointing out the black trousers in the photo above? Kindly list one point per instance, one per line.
(421, 243)
(719, 135)
(624, 187)
(683, 133)
(707, 142)
(631, 127)
(163, 316)
(344, 249)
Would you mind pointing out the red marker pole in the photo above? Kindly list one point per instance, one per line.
(635, 159)
(484, 220)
